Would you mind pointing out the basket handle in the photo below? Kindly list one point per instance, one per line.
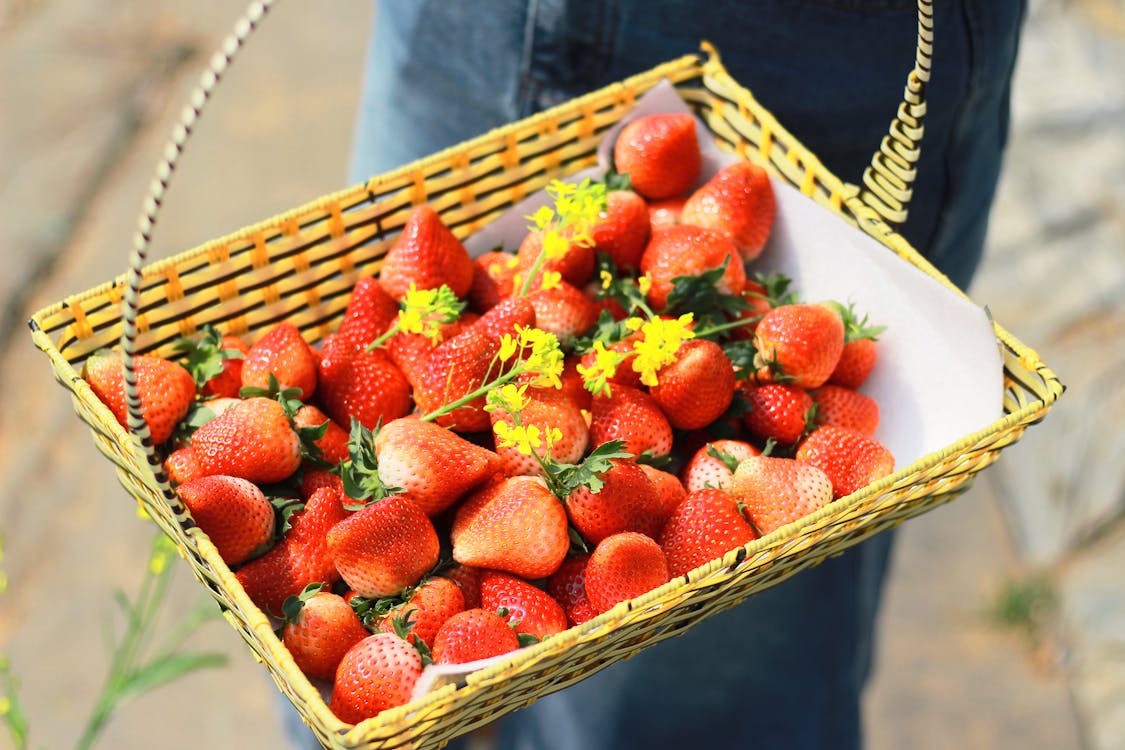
(888, 180)
(243, 27)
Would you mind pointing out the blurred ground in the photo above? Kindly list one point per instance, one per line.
(89, 91)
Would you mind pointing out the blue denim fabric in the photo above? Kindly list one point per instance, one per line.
(785, 669)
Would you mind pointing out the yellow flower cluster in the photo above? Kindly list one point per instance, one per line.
(659, 343)
(424, 311)
(596, 376)
(540, 352)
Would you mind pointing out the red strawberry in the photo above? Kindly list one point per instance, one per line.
(761, 293)
(300, 558)
(665, 213)
(369, 313)
(576, 266)
(320, 627)
(547, 408)
(361, 385)
(375, 674)
(385, 547)
(434, 465)
(698, 387)
(284, 354)
(232, 512)
(778, 411)
(215, 361)
(514, 525)
(455, 369)
(530, 610)
(660, 153)
(333, 444)
(685, 250)
(312, 479)
(622, 567)
(409, 351)
(713, 464)
(426, 255)
(468, 579)
(506, 316)
(625, 374)
(739, 202)
(429, 605)
(776, 491)
(563, 310)
(626, 502)
(471, 635)
(182, 465)
(166, 388)
(253, 439)
(670, 491)
(704, 527)
(852, 460)
(860, 353)
(493, 274)
(623, 229)
(567, 586)
(799, 344)
(631, 415)
(573, 385)
(845, 407)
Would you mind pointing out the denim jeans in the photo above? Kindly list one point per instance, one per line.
(786, 668)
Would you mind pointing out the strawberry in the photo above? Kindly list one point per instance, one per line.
(778, 411)
(232, 512)
(698, 387)
(631, 415)
(515, 525)
(505, 317)
(166, 388)
(253, 439)
(850, 459)
(320, 627)
(468, 579)
(529, 610)
(798, 344)
(625, 502)
(284, 354)
(670, 492)
(369, 313)
(660, 153)
(573, 385)
(457, 368)
(761, 293)
(622, 230)
(547, 408)
(409, 351)
(713, 464)
(776, 491)
(738, 201)
(384, 547)
(428, 606)
(361, 385)
(332, 444)
(312, 479)
(427, 254)
(300, 557)
(708, 524)
(860, 353)
(625, 374)
(567, 586)
(576, 266)
(215, 361)
(182, 465)
(473, 634)
(434, 465)
(685, 250)
(845, 407)
(563, 310)
(493, 279)
(622, 567)
(665, 212)
(375, 674)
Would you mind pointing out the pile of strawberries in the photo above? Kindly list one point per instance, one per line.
(489, 451)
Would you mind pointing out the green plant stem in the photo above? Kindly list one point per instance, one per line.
(444, 409)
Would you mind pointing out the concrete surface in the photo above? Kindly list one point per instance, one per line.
(89, 91)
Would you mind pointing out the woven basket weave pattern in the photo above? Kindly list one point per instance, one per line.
(301, 266)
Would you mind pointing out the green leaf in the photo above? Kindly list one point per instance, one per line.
(292, 606)
(614, 180)
(741, 353)
(607, 330)
(360, 473)
(728, 460)
(284, 508)
(162, 671)
(204, 357)
(777, 289)
(563, 479)
(527, 639)
(700, 296)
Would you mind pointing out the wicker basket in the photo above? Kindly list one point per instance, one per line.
(301, 265)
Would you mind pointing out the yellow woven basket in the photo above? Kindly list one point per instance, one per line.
(300, 266)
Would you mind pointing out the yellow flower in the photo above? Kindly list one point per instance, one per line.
(508, 346)
(554, 244)
(542, 218)
(596, 376)
(509, 397)
(606, 278)
(644, 283)
(524, 438)
(545, 360)
(659, 343)
(424, 311)
(551, 280)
